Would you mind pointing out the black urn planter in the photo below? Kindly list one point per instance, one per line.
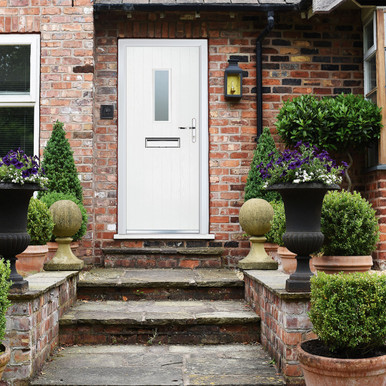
(14, 239)
(303, 205)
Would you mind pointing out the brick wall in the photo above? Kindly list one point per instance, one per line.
(33, 323)
(66, 31)
(321, 56)
(376, 194)
(284, 321)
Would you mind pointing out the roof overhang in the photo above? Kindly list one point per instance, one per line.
(201, 5)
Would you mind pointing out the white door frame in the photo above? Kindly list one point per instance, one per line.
(203, 137)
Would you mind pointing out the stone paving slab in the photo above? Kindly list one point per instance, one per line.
(123, 277)
(150, 312)
(160, 365)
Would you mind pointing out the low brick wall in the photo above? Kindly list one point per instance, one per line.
(284, 319)
(33, 323)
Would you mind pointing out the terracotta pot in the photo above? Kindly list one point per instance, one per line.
(31, 260)
(270, 248)
(345, 264)
(4, 358)
(320, 371)
(288, 260)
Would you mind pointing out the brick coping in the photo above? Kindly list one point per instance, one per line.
(274, 281)
(42, 282)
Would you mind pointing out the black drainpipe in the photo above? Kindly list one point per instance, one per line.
(259, 72)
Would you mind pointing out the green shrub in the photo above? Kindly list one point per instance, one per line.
(254, 186)
(275, 235)
(39, 222)
(348, 312)
(349, 225)
(50, 198)
(58, 163)
(5, 284)
(331, 123)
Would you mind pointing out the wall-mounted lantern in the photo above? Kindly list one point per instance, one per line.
(233, 80)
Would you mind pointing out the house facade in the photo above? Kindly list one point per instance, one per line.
(162, 154)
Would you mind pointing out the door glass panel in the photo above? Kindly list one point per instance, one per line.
(371, 73)
(161, 95)
(15, 69)
(16, 129)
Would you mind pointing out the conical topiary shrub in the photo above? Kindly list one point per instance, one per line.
(254, 186)
(58, 163)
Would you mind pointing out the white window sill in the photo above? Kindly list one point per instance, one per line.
(168, 236)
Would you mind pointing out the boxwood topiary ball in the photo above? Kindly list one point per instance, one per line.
(67, 218)
(255, 217)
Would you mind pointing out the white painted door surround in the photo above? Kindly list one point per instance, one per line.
(162, 139)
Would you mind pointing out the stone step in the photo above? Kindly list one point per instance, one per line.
(163, 257)
(160, 284)
(160, 365)
(159, 322)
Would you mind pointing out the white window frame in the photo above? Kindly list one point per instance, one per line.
(369, 53)
(30, 99)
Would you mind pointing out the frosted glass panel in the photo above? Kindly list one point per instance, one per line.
(161, 95)
(15, 69)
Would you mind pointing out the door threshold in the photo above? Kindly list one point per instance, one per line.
(168, 236)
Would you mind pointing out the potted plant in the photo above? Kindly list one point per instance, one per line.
(348, 313)
(5, 352)
(59, 165)
(254, 187)
(351, 233)
(52, 197)
(39, 226)
(302, 176)
(20, 176)
(337, 124)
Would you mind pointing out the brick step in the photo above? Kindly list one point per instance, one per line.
(160, 284)
(159, 322)
(163, 257)
(160, 365)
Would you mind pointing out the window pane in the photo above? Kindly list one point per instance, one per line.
(371, 74)
(16, 129)
(369, 35)
(161, 95)
(15, 69)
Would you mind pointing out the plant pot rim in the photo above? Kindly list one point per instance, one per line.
(302, 186)
(335, 364)
(26, 186)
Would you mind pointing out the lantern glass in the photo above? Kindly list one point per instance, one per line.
(233, 84)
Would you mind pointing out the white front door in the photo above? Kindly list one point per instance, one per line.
(162, 86)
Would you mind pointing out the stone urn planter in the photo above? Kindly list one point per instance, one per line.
(14, 239)
(31, 260)
(303, 204)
